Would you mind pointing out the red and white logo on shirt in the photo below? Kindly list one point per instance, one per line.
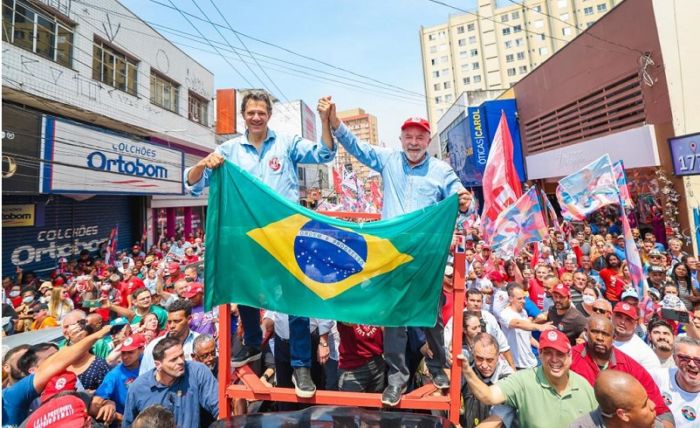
(274, 164)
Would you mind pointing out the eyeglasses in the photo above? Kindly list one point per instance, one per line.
(600, 311)
(686, 359)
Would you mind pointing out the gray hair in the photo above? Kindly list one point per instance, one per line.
(685, 340)
(202, 338)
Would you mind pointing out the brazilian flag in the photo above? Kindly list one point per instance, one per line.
(267, 252)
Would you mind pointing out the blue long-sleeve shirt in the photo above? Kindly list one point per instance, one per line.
(196, 388)
(275, 164)
(406, 188)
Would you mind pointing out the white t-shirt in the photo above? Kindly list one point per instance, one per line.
(684, 405)
(500, 300)
(640, 351)
(518, 339)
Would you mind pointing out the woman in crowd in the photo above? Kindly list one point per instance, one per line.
(472, 327)
(590, 294)
(59, 303)
(89, 369)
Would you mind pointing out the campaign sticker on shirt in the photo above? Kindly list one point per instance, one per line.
(688, 413)
(667, 398)
(274, 164)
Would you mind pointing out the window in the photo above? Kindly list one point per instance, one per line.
(433, 61)
(445, 72)
(466, 80)
(460, 29)
(522, 69)
(588, 24)
(475, 66)
(472, 40)
(442, 47)
(438, 100)
(436, 74)
(515, 15)
(463, 54)
(462, 42)
(506, 31)
(588, 11)
(602, 7)
(433, 49)
(504, 18)
(474, 52)
(539, 23)
(448, 98)
(431, 36)
(518, 42)
(511, 72)
(564, 16)
(470, 27)
(197, 107)
(164, 92)
(446, 85)
(436, 87)
(301, 173)
(466, 67)
(566, 31)
(542, 37)
(509, 58)
(562, 4)
(444, 59)
(37, 31)
(114, 68)
(477, 79)
(537, 9)
(520, 56)
(509, 44)
(544, 51)
(517, 28)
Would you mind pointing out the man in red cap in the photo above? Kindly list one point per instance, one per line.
(202, 322)
(411, 180)
(535, 392)
(624, 320)
(598, 354)
(115, 385)
(564, 315)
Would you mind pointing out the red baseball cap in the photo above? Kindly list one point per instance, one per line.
(58, 281)
(173, 266)
(562, 290)
(133, 342)
(194, 288)
(497, 276)
(64, 381)
(416, 121)
(626, 309)
(72, 410)
(555, 339)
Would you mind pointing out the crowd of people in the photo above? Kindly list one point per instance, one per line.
(556, 335)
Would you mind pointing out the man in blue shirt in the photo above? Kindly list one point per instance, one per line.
(183, 387)
(116, 383)
(273, 159)
(411, 180)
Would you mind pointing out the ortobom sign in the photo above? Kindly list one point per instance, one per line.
(84, 159)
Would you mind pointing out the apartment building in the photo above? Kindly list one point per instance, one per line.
(364, 126)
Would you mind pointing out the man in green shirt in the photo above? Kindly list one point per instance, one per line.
(547, 396)
(141, 305)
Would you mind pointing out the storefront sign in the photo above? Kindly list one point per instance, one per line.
(21, 137)
(684, 152)
(468, 152)
(636, 147)
(85, 159)
(18, 215)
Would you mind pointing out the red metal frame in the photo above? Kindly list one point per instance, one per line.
(424, 398)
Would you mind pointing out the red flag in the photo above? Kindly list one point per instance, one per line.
(500, 183)
(337, 182)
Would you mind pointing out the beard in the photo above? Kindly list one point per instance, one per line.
(663, 346)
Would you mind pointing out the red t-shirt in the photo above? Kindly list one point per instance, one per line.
(583, 364)
(358, 345)
(536, 292)
(613, 285)
(133, 284)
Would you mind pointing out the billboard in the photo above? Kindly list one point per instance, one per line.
(84, 159)
(684, 154)
(467, 153)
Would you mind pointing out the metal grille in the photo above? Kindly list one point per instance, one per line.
(614, 107)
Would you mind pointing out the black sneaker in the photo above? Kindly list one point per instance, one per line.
(440, 380)
(303, 384)
(244, 356)
(392, 395)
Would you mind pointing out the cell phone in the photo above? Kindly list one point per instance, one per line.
(91, 304)
(674, 315)
(116, 329)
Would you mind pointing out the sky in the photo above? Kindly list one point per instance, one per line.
(377, 39)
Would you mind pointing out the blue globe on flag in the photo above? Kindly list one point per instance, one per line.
(328, 254)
